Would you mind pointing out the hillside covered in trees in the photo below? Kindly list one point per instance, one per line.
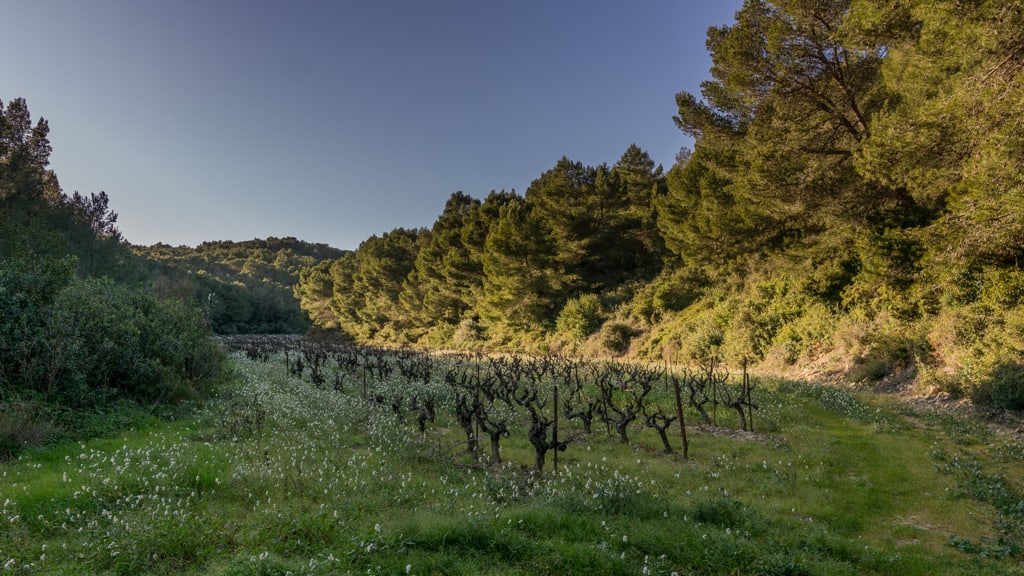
(244, 287)
(853, 203)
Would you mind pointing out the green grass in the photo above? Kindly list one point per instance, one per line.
(276, 477)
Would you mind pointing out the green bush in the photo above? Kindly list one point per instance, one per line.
(1003, 387)
(616, 337)
(128, 341)
(94, 340)
(1004, 288)
(886, 353)
(580, 317)
(32, 355)
(22, 425)
(869, 369)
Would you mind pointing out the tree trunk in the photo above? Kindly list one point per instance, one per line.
(496, 447)
(621, 428)
(738, 406)
(703, 414)
(664, 440)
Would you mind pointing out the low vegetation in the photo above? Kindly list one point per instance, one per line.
(283, 473)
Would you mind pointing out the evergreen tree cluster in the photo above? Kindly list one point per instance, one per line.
(499, 269)
(852, 203)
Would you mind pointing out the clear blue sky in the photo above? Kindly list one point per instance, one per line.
(335, 120)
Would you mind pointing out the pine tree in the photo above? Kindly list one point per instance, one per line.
(520, 286)
(435, 293)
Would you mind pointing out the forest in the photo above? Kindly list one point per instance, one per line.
(853, 207)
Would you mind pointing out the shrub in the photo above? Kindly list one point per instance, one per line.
(675, 297)
(580, 317)
(22, 425)
(616, 337)
(92, 341)
(869, 369)
(931, 378)
(468, 333)
(1003, 387)
(438, 335)
(1004, 288)
(128, 341)
(886, 353)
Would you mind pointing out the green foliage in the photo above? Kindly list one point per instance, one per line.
(884, 353)
(520, 285)
(601, 219)
(23, 425)
(508, 263)
(79, 335)
(671, 292)
(616, 337)
(366, 287)
(247, 287)
(95, 340)
(1002, 386)
(580, 317)
(790, 101)
(24, 157)
(700, 218)
(314, 291)
(956, 71)
(439, 290)
(853, 203)
(382, 266)
(680, 291)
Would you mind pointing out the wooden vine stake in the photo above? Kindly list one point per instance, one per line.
(554, 431)
(747, 390)
(679, 412)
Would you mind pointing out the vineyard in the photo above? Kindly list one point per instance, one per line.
(485, 394)
(332, 459)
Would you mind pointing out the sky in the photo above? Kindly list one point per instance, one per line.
(334, 120)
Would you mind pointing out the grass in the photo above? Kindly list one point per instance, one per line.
(278, 477)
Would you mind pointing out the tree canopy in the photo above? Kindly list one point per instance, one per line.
(855, 163)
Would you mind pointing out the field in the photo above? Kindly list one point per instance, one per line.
(319, 472)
